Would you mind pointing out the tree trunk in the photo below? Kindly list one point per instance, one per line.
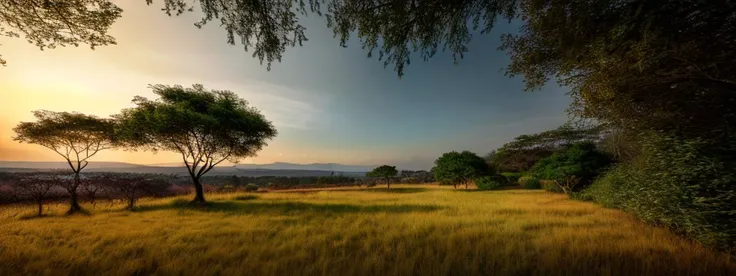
(198, 191)
(40, 207)
(388, 183)
(73, 201)
(466, 185)
(131, 203)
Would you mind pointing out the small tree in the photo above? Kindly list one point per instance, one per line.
(460, 168)
(577, 165)
(205, 127)
(36, 186)
(385, 171)
(73, 136)
(134, 186)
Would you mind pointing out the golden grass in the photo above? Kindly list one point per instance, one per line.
(422, 230)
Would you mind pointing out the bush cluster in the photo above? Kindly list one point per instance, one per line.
(488, 183)
(675, 183)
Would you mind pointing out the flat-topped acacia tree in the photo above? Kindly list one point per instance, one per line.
(74, 136)
(206, 127)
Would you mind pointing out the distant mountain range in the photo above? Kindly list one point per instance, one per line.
(273, 169)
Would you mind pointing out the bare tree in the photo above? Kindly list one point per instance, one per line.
(36, 186)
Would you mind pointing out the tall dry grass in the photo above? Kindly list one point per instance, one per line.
(423, 230)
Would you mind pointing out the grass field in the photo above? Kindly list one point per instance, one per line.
(422, 230)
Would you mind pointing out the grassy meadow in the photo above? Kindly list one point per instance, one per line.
(422, 230)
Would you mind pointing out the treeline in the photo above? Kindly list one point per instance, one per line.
(43, 187)
(235, 183)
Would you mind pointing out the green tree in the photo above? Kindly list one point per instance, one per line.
(524, 151)
(205, 127)
(73, 136)
(573, 167)
(385, 171)
(460, 168)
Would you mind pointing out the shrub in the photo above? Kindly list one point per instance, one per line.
(529, 182)
(550, 186)
(675, 183)
(251, 187)
(511, 177)
(488, 183)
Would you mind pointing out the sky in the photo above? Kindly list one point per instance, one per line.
(330, 104)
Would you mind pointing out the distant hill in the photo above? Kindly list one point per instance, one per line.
(274, 169)
(312, 167)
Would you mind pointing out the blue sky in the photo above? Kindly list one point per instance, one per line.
(330, 104)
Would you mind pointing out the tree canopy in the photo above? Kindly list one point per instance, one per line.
(48, 24)
(392, 29)
(206, 127)
(455, 168)
(525, 150)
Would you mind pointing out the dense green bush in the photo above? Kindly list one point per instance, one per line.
(677, 184)
(251, 187)
(529, 182)
(511, 177)
(572, 168)
(488, 183)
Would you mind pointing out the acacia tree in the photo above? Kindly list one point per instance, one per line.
(459, 168)
(206, 127)
(75, 137)
(386, 172)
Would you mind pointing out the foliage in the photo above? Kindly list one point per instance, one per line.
(251, 187)
(572, 168)
(551, 186)
(205, 127)
(49, 24)
(511, 177)
(529, 182)
(75, 137)
(526, 150)
(675, 184)
(384, 171)
(487, 183)
(378, 233)
(455, 168)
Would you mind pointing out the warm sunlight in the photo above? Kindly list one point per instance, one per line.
(355, 137)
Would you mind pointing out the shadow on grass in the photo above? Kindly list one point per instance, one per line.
(395, 190)
(251, 207)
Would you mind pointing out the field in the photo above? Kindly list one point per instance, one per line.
(422, 230)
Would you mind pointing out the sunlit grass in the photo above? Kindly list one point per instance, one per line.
(424, 230)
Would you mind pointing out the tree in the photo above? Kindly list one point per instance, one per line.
(578, 165)
(37, 186)
(522, 153)
(386, 172)
(133, 186)
(460, 168)
(49, 24)
(73, 136)
(206, 127)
